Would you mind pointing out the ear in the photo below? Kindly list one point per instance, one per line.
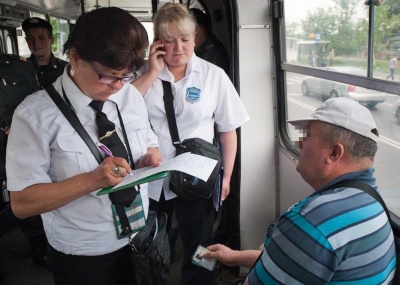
(200, 31)
(336, 153)
(73, 57)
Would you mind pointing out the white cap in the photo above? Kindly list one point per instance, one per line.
(345, 113)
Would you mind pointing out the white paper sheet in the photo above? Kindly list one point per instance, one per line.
(193, 164)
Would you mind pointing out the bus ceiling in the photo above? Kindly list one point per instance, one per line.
(71, 9)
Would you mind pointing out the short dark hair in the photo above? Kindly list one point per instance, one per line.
(202, 19)
(110, 36)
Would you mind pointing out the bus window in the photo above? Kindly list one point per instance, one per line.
(10, 45)
(327, 30)
(347, 59)
(60, 35)
(150, 33)
(1, 44)
(22, 44)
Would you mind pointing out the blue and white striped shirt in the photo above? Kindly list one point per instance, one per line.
(339, 236)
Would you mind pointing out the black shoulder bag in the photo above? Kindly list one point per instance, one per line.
(151, 252)
(183, 184)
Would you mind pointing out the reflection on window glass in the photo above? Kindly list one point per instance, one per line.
(305, 94)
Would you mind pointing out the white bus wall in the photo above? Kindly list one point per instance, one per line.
(262, 198)
(292, 187)
(257, 198)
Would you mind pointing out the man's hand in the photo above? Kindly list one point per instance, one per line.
(229, 257)
(222, 253)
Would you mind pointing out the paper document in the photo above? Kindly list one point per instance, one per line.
(193, 164)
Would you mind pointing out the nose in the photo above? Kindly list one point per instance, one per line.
(178, 45)
(116, 85)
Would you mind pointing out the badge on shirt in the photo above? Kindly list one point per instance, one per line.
(193, 94)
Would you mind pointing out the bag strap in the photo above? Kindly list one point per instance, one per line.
(169, 110)
(74, 121)
(353, 184)
(364, 187)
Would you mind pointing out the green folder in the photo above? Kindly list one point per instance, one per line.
(156, 176)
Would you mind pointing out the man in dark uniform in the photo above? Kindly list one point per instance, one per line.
(18, 80)
(208, 47)
(39, 36)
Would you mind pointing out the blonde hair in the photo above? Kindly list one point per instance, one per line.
(173, 19)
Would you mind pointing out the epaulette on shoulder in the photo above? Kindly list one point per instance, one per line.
(17, 57)
(14, 56)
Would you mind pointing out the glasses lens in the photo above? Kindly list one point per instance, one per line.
(108, 79)
(112, 79)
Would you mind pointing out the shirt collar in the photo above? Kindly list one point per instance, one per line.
(78, 100)
(365, 176)
(192, 66)
(52, 63)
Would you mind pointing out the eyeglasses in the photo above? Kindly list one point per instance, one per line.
(107, 79)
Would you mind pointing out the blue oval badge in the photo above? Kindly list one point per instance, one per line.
(193, 94)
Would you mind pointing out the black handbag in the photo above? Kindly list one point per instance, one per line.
(183, 184)
(150, 251)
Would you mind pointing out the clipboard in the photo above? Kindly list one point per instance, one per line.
(156, 176)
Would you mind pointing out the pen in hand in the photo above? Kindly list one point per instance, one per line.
(104, 149)
(107, 151)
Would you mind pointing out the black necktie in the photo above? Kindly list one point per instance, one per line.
(109, 137)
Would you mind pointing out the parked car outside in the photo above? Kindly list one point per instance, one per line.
(330, 89)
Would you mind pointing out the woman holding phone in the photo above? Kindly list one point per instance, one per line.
(203, 96)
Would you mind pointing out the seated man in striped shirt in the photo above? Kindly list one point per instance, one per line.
(338, 235)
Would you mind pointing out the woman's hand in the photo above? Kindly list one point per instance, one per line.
(155, 65)
(151, 158)
(225, 188)
(110, 172)
(156, 61)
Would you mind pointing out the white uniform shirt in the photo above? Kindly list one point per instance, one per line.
(213, 98)
(43, 147)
